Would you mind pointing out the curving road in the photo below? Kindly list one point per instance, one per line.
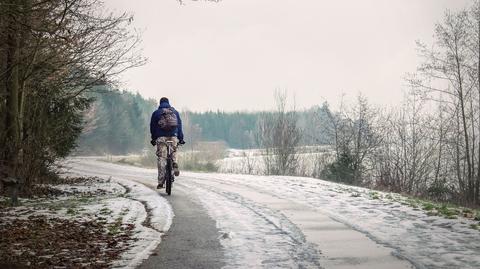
(223, 222)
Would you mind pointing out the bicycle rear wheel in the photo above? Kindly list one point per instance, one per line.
(168, 179)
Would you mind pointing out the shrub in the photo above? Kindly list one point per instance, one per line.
(340, 170)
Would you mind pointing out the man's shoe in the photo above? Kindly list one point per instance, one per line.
(160, 186)
(176, 172)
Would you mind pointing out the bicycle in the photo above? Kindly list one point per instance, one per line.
(169, 173)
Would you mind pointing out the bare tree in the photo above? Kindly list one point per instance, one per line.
(406, 159)
(450, 76)
(279, 135)
(357, 132)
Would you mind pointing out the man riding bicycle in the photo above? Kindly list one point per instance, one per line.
(166, 126)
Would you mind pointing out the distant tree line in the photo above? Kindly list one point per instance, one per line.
(116, 123)
(235, 128)
(239, 129)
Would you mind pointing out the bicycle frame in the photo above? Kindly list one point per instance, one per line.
(169, 176)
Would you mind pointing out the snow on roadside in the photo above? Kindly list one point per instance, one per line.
(134, 214)
(428, 241)
(150, 214)
(151, 223)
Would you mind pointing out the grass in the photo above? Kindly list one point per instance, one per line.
(203, 159)
(105, 211)
(72, 211)
(189, 164)
(6, 202)
(448, 212)
(431, 208)
(124, 212)
(197, 163)
(413, 203)
(428, 206)
(477, 216)
(374, 195)
(468, 211)
(432, 213)
(115, 227)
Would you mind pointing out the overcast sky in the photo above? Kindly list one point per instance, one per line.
(232, 55)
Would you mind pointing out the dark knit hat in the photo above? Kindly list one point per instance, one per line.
(164, 100)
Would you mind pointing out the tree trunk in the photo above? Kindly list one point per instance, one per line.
(469, 194)
(22, 94)
(477, 188)
(461, 183)
(12, 90)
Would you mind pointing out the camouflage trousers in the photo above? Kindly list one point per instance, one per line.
(162, 152)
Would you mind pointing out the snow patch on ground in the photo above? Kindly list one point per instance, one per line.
(161, 213)
(311, 161)
(150, 214)
(255, 236)
(427, 241)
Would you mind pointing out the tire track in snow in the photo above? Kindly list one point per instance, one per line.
(357, 250)
(396, 251)
(256, 236)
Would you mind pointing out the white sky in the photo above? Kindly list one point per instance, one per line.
(232, 55)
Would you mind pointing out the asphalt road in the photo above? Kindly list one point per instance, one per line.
(191, 242)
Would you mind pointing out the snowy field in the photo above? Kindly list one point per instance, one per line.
(311, 160)
(284, 222)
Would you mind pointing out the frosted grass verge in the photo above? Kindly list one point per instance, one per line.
(151, 214)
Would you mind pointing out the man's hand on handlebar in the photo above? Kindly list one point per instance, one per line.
(153, 142)
(181, 142)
